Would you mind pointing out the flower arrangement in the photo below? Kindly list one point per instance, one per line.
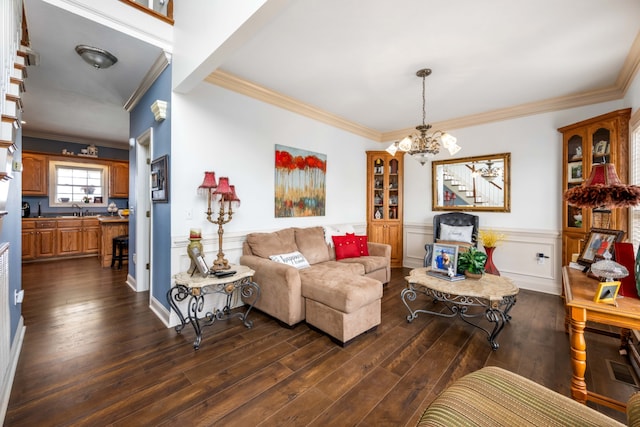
(490, 238)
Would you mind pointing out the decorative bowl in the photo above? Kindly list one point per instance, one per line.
(63, 199)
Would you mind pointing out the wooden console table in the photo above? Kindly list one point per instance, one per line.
(493, 295)
(195, 287)
(579, 291)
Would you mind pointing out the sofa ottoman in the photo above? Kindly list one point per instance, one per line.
(342, 307)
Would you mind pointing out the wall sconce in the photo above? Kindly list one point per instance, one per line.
(225, 201)
(159, 109)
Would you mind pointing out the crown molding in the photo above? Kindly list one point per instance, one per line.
(124, 145)
(627, 74)
(245, 87)
(162, 62)
(522, 110)
(630, 67)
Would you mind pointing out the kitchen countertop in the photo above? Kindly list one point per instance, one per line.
(112, 219)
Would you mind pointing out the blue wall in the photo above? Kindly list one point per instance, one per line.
(141, 119)
(12, 233)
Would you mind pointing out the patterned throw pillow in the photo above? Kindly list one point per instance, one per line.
(362, 244)
(294, 259)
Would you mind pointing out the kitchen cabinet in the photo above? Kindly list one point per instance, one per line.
(384, 201)
(601, 139)
(44, 238)
(110, 227)
(119, 180)
(35, 174)
(78, 236)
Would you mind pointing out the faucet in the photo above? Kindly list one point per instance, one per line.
(75, 205)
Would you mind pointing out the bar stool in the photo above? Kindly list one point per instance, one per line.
(120, 243)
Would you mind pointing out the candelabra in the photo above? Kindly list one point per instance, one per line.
(225, 201)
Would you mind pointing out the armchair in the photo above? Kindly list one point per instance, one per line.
(453, 219)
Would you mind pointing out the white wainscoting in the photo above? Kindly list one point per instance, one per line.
(515, 257)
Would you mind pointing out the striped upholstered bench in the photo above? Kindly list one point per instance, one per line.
(493, 397)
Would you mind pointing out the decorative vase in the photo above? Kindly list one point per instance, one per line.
(195, 244)
(489, 266)
(474, 276)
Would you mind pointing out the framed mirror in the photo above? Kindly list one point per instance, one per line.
(479, 183)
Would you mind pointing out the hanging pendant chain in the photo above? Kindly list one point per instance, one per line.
(424, 113)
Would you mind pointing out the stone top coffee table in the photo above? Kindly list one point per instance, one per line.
(491, 297)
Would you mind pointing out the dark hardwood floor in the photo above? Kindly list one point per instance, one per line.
(94, 354)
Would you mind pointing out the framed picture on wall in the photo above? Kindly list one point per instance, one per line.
(160, 179)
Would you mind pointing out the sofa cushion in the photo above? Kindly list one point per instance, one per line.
(343, 293)
(267, 244)
(370, 263)
(311, 244)
(346, 246)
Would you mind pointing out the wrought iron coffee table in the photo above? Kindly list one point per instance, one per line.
(494, 295)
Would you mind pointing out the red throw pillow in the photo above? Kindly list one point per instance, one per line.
(346, 247)
(362, 244)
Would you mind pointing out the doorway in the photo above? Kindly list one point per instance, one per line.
(143, 219)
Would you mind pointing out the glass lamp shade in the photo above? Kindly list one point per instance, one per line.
(405, 144)
(392, 149)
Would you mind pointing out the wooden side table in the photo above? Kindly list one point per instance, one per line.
(495, 296)
(195, 287)
(579, 291)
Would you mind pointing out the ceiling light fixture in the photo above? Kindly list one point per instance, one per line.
(490, 172)
(96, 57)
(421, 146)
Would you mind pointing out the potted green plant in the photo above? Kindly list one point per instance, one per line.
(471, 263)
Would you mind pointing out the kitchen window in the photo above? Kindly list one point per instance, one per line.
(81, 183)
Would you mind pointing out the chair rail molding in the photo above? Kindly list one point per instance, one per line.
(515, 257)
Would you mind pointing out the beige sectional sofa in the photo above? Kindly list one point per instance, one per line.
(339, 297)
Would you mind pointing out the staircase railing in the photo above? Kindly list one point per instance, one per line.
(161, 9)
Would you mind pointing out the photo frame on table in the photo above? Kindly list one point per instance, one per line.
(607, 292)
(443, 257)
(198, 262)
(599, 241)
(574, 172)
(160, 179)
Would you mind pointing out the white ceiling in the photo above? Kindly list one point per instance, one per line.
(356, 59)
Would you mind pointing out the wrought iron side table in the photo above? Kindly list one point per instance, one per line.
(196, 287)
(494, 295)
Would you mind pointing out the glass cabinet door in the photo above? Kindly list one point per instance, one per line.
(379, 196)
(393, 189)
(600, 146)
(575, 176)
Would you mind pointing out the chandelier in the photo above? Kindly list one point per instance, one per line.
(490, 173)
(422, 146)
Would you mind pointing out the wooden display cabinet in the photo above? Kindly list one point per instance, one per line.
(384, 201)
(601, 139)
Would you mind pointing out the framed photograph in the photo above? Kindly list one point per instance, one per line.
(198, 262)
(599, 241)
(160, 179)
(97, 199)
(444, 257)
(574, 172)
(600, 149)
(607, 292)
